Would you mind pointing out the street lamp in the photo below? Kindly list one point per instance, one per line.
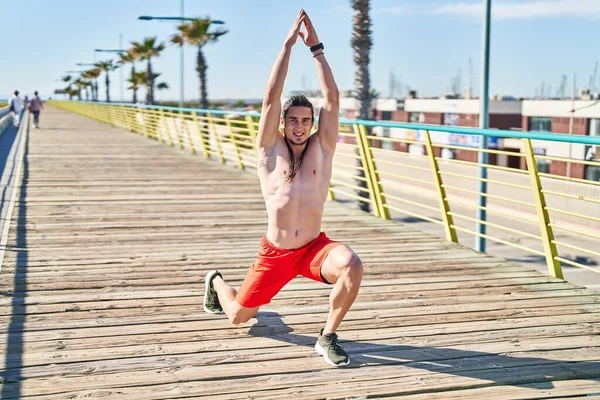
(111, 50)
(181, 18)
(120, 51)
(86, 64)
(484, 100)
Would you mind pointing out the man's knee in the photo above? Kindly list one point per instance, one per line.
(242, 315)
(350, 265)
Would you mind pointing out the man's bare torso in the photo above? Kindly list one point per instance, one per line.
(294, 208)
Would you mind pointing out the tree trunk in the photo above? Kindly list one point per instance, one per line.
(201, 68)
(87, 94)
(95, 89)
(134, 87)
(150, 85)
(361, 44)
(107, 81)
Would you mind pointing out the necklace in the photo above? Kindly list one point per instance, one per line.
(295, 164)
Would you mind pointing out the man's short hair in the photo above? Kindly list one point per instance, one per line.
(16, 92)
(298, 100)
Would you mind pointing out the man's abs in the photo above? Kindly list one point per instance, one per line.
(294, 221)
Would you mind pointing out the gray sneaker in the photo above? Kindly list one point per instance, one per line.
(327, 346)
(211, 299)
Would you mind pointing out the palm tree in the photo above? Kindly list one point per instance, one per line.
(74, 92)
(70, 91)
(136, 80)
(106, 66)
(80, 83)
(162, 86)
(140, 79)
(92, 75)
(196, 34)
(361, 44)
(147, 50)
(130, 57)
(87, 84)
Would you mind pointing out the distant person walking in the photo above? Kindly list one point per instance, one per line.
(35, 107)
(15, 106)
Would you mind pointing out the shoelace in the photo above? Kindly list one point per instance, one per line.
(331, 340)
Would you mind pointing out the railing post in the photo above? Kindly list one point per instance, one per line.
(554, 267)
(125, 117)
(214, 129)
(330, 194)
(139, 127)
(163, 118)
(156, 130)
(106, 114)
(205, 150)
(187, 131)
(444, 204)
(240, 162)
(145, 125)
(368, 176)
(251, 130)
(384, 212)
(93, 113)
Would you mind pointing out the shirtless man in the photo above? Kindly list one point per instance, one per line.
(294, 171)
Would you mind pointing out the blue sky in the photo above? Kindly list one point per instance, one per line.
(424, 42)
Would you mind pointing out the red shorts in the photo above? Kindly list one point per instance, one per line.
(275, 267)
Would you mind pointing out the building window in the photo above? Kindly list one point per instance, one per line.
(416, 117)
(595, 127)
(542, 124)
(450, 119)
(386, 144)
(592, 172)
(448, 154)
(386, 115)
(543, 166)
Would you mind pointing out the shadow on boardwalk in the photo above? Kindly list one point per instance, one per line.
(492, 369)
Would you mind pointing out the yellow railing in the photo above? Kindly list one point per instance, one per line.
(549, 216)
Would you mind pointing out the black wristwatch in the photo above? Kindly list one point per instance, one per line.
(317, 47)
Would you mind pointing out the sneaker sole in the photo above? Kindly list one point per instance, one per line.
(207, 281)
(319, 349)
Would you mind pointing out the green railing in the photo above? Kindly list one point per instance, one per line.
(550, 216)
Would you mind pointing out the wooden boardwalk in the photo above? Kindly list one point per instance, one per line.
(102, 286)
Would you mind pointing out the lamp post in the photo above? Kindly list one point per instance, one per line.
(484, 100)
(119, 51)
(181, 18)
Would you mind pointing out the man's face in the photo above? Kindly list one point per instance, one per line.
(297, 125)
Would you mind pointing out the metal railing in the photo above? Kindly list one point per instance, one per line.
(549, 216)
(5, 118)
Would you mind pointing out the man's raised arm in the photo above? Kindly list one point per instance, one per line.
(271, 109)
(329, 114)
